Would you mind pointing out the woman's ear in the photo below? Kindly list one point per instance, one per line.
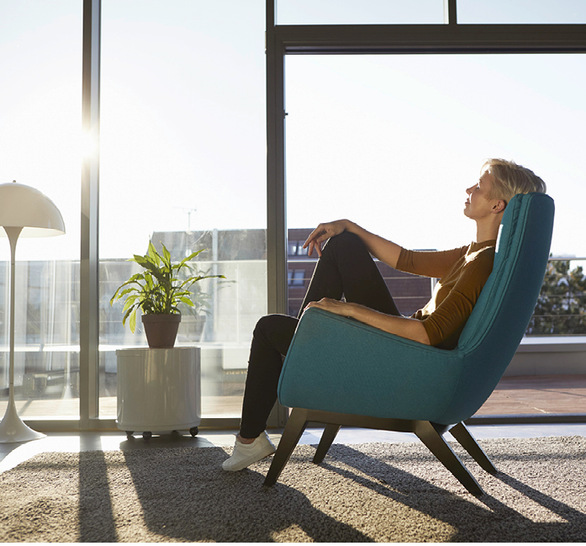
(499, 206)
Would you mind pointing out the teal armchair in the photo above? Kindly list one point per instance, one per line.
(341, 372)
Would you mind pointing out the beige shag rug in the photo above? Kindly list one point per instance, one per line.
(360, 493)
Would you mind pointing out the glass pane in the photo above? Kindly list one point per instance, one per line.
(392, 142)
(561, 308)
(40, 129)
(183, 163)
(522, 11)
(334, 12)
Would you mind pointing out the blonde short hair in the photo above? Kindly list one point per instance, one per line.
(511, 179)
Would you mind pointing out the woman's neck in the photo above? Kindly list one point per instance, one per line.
(488, 229)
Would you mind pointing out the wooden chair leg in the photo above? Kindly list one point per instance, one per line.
(293, 430)
(327, 439)
(435, 442)
(468, 442)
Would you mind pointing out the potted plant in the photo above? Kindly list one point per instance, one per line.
(157, 292)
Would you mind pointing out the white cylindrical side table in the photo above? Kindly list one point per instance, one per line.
(159, 390)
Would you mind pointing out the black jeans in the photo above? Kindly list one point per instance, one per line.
(345, 269)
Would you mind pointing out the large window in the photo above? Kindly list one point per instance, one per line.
(183, 149)
(389, 125)
(183, 164)
(40, 120)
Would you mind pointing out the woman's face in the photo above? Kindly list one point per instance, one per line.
(479, 203)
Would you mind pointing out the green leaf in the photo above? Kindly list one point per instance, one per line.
(153, 254)
(130, 302)
(132, 322)
(189, 258)
(166, 255)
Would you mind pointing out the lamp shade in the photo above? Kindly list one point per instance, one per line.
(24, 207)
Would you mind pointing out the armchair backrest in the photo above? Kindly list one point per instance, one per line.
(501, 315)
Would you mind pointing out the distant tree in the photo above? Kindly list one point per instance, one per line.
(561, 306)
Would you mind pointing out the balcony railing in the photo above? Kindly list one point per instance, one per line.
(52, 346)
(561, 306)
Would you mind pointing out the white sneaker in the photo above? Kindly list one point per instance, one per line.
(246, 454)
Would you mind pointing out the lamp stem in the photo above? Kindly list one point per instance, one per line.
(13, 233)
(12, 428)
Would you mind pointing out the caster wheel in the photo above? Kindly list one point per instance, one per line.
(193, 431)
(129, 434)
(147, 435)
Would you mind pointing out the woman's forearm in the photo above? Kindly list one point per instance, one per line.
(401, 326)
(383, 249)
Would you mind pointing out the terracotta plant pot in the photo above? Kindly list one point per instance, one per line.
(161, 330)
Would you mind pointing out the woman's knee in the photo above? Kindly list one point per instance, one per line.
(344, 243)
(275, 330)
(264, 325)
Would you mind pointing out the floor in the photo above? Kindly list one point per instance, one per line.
(537, 394)
(15, 453)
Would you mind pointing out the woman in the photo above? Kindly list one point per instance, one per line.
(346, 270)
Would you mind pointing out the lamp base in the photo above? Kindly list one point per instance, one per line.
(13, 430)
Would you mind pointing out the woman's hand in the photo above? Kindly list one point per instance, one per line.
(322, 233)
(333, 306)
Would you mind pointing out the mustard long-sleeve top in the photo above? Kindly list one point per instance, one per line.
(462, 273)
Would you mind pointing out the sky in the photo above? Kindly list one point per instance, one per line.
(388, 141)
(393, 141)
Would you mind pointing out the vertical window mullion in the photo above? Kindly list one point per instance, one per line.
(89, 297)
(276, 236)
(450, 12)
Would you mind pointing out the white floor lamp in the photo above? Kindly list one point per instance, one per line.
(24, 212)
